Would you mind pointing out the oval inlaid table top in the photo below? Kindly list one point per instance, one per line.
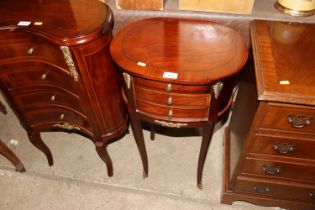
(192, 51)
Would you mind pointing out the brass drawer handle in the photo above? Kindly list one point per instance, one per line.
(284, 148)
(30, 51)
(261, 189)
(169, 87)
(169, 101)
(43, 77)
(53, 98)
(299, 121)
(312, 195)
(271, 170)
(66, 126)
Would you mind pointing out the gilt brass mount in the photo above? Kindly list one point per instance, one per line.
(68, 58)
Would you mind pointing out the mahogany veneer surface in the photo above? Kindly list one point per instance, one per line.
(269, 158)
(56, 71)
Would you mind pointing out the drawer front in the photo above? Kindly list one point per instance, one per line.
(294, 148)
(295, 119)
(30, 74)
(170, 87)
(57, 117)
(18, 45)
(173, 112)
(48, 96)
(279, 169)
(169, 99)
(264, 188)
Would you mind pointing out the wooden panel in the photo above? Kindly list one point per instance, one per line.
(197, 52)
(281, 52)
(279, 169)
(140, 4)
(265, 188)
(231, 6)
(289, 148)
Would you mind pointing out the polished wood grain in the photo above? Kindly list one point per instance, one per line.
(283, 51)
(66, 22)
(269, 158)
(194, 49)
(204, 55)
(57, 73)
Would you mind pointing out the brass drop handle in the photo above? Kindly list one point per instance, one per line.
(299, 121)
(169, 87)
(271, 170)
(284, 148)
(53, 98)
(261, 189)
(43, 77)
(30, 51)
(312, 195)
(169, 101)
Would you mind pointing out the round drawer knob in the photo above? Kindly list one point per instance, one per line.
(43, 77)
(30, 51)
(52, 98)
(62, 116)
(312, 195)
(168, 87)
(169, 101)
(170, 114)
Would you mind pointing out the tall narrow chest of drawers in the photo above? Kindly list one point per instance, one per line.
(270, 142)
(56, 71)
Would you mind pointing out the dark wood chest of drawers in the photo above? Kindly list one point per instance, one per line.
(270, 142)
(56, 70)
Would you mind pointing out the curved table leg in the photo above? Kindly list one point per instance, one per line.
(2, 108)
(103, 153)
(137, 131)
(206, 137)
(37, 141)
(152, 132)
(6, 152)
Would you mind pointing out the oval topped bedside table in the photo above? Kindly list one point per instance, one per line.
(178, 73)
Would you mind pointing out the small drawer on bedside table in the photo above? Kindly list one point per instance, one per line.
(163, 98)
(289, 118)
(48, 96)
(172, 112)
(25, 46)
(31, 73)
(57, 117)
(171, 87)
